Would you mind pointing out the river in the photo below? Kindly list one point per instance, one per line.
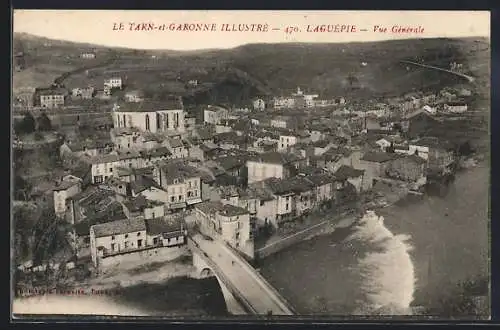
(422, 248)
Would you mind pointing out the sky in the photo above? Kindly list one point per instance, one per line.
(101, 27)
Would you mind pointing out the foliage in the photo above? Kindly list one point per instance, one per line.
(38, 234)
(21, 188)
(26, 126)
(44, 123)
(461, 301)
(38, 136)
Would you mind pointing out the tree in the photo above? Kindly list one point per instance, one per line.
(21, 188)
(44, 123)
(27, 125)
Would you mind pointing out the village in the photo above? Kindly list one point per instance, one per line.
(134, 191)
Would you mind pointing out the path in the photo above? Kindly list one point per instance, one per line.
(469, 78)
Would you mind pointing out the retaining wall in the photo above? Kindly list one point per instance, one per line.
(300, 236)
(151, 255)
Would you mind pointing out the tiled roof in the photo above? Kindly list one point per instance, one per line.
(129, 154)
(345, 172)
(379, 157)
(222, 209)
(156, 152)
(175, 143)
(142, 183)
(51, 91)
(119, 227)
(104, 159)
(320, 179)
(151, 106)
(416, 159)
(275, 158)
(64, 185)
(140, 203)
(164, 224)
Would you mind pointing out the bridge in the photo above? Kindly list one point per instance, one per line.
(469, 78)
(239, 281)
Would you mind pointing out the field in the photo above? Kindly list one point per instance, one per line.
(239, 74)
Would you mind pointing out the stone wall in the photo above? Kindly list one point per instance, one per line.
(304, 234)
(159, 254)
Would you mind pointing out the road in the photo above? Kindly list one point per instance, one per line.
(469, 78)
(237, 272)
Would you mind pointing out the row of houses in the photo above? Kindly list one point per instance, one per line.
(297, 100)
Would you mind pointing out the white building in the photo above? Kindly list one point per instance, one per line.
(456, 107)
(88, 55)
(113, 82)
(130, 236)
(215, 114)
(69, 187)
(103, 167)
(151, 116)
(259, 104)
(52, 98)
(134, 96)
(228, 222)
(286, 141)
(270, 165)
(181, 182)
(283, 102)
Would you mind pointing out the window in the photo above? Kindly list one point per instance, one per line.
(125, 244)
(111, 169)
(261, 203)
(147, 122)
(139, 243)
(153, 215)
(126, 235)
(138, 234)
(124, 121)
(180, 197)
(112, 238)
(287, 206)
(172, 199)
(156, 240)
(113, 247)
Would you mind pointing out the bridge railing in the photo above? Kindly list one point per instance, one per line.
(234, 290)
(274, 294)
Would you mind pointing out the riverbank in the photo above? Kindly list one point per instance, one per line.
(446, 237)
(167, 289)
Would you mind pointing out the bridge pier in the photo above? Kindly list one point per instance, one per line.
(204, 270)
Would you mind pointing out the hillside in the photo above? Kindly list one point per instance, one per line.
(236, 75)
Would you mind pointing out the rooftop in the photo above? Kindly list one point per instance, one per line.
(379, 157)
(165, 224)
(275, 158)
(119, 227)
(142, 183)
(222, 209)
(151, 106)
(140, 203)
(64, 185)
(345, 172)
(51, 91)
(103, 159)
(156, 152)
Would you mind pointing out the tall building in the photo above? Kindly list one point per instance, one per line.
(147, 116)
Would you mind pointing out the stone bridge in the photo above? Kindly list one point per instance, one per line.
(244, 289)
